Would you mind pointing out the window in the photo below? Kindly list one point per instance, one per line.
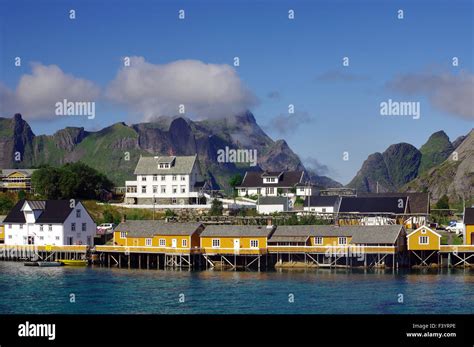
(342, 240)
(123, 234)
(323, 209)
(155, 177)
(423, 240)
(143, 189)
(143, 178)
(155, 189)
(216, 243)
(270, 191)
(50, 227)
(84, 227)
(318, 240)
(41, 237)
(147, 242)
(174, 177)
(9, 226)
(73, 226)
(162, 243)
(183, 189)
(57, 238)
(10, 236)
(184, 243)
(183, 178)
(163, 178)
(175, 189)
(174, 201)
(41, 227)
(253, 243)
(21, 226)
(78, 213)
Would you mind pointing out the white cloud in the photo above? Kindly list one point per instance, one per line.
(37, 93)
(285, 123)
(206, 90)
(450, 93)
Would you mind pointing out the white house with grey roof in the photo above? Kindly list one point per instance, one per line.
(49, 222)
(166, 180)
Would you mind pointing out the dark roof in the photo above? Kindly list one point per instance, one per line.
(254, 179)
(419, 202)
(373, 205)
(54, 211)
(379, 234)
(469, 215)
(330, 200)
(273, 200)
(144, 228)
(237, 230)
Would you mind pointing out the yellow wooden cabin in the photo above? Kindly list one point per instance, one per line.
(158, 236)
(423, 239)
(2, 230)
(320, 238)
(469, 226)
(16, 179)
(235, 239)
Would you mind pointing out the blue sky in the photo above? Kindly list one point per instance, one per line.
(298, 61)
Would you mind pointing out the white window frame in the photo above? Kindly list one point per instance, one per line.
(123, 234)
(339, 239)
(320, 238)
(162, 242)
(424, 237)
(148, 242)
(73, 226)
(253, 243)
(184, 243)
(216, 243)
(78, 213)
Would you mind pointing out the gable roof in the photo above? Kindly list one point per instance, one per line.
(373, 204)
(376, 234)
(183, 165)
(419, 202)
(145, 228)
(237, 230)
(8, 172)
(469, 215)
(329, 200)
(423, 227)
(287, 179)
(273, 200)
(54, 211)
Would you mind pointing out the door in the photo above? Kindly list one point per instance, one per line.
(69, 240)
(236, 244)
(173, 243)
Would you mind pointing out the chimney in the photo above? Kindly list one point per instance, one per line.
(269, 223)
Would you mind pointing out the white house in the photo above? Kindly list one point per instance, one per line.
(49, 222)
(272, 204)
(322, 204)
(166, 180)
(278, 183)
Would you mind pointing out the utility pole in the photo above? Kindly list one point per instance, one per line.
(153, 206)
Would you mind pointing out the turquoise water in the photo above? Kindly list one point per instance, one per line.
(324, 291)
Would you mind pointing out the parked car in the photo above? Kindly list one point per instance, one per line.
(455, 227)
(106, 228)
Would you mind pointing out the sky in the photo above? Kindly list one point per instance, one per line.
(282, 62)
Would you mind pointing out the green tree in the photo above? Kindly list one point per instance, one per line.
(216, 208)
(6, 204)
(45, 182)
(443, 202)
(21, 195)
(234, 181)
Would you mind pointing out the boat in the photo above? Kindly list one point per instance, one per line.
(30, 263)
(49, 263)
(69, 262)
